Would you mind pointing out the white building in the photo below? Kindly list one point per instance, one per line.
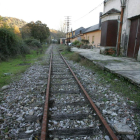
(130, 36)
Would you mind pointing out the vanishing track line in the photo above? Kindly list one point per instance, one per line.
(69, 112)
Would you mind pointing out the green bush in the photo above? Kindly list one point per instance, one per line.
(36, 43)
(24, 49)
(10, 44)
(75, 42)
(33, 42)
(78, 45)
(85, 41)
(75, 57)
(64, 48)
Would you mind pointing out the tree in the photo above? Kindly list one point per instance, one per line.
(39, 30)
(3, 23)
(16, 30)
(26, 32)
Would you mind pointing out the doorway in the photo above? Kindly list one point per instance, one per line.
(134, 38)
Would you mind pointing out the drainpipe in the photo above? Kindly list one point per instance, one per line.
(69, 37)
(123, 3)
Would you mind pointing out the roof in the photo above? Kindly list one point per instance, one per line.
(111, 11)
(77, 31)
(92, 28)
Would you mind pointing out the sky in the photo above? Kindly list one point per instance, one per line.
(53, 12)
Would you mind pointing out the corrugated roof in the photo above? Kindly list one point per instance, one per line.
(92, 28)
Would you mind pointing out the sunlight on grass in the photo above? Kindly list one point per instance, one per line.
(13, 67)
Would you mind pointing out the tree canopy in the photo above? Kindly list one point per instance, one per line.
(37, 30)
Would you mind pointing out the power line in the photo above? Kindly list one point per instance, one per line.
(90, 11)
(67, 20)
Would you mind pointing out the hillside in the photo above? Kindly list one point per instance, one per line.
(12, 22)
(56, 34)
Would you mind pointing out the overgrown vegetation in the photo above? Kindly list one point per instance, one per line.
(18, 52)
(14, 43)
(11, 44)
(13, 67)
(117, 84)
(37, 30)
(12, 22)
(85, 42)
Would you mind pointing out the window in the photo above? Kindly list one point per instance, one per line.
(92, 39)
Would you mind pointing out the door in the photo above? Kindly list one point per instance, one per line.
(134, 38)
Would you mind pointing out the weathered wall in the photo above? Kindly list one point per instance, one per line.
(132, 9)
(97, 37)
(110, 17)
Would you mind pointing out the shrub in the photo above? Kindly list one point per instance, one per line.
(36, 43)
(33, 42)
(75, 42)
(78, 45)
(85, 41)
(75, 57)
(10, 44)
(67, 48)
(24, 49)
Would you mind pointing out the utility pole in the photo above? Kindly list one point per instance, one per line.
(67, 20)
(123, 4)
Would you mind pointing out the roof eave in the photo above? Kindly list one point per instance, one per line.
(91, 31)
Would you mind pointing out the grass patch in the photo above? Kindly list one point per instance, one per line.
(117, 84)
(12, 68)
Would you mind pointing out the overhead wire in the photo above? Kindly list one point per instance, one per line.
(90, 11)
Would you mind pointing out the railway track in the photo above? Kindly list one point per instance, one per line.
(69, 112)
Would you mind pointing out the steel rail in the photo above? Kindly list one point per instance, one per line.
(107, 127)
(46, 106)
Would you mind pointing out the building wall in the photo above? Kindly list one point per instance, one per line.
(110, 17)
(131, 10)
(68, 35)
(79, 38)
(74, 39)
(62, 40)
(97, 37)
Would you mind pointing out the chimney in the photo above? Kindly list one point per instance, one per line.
(100, 19)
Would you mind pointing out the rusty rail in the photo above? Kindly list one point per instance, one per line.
(46, 106)
(107, 127)
(44, 132)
